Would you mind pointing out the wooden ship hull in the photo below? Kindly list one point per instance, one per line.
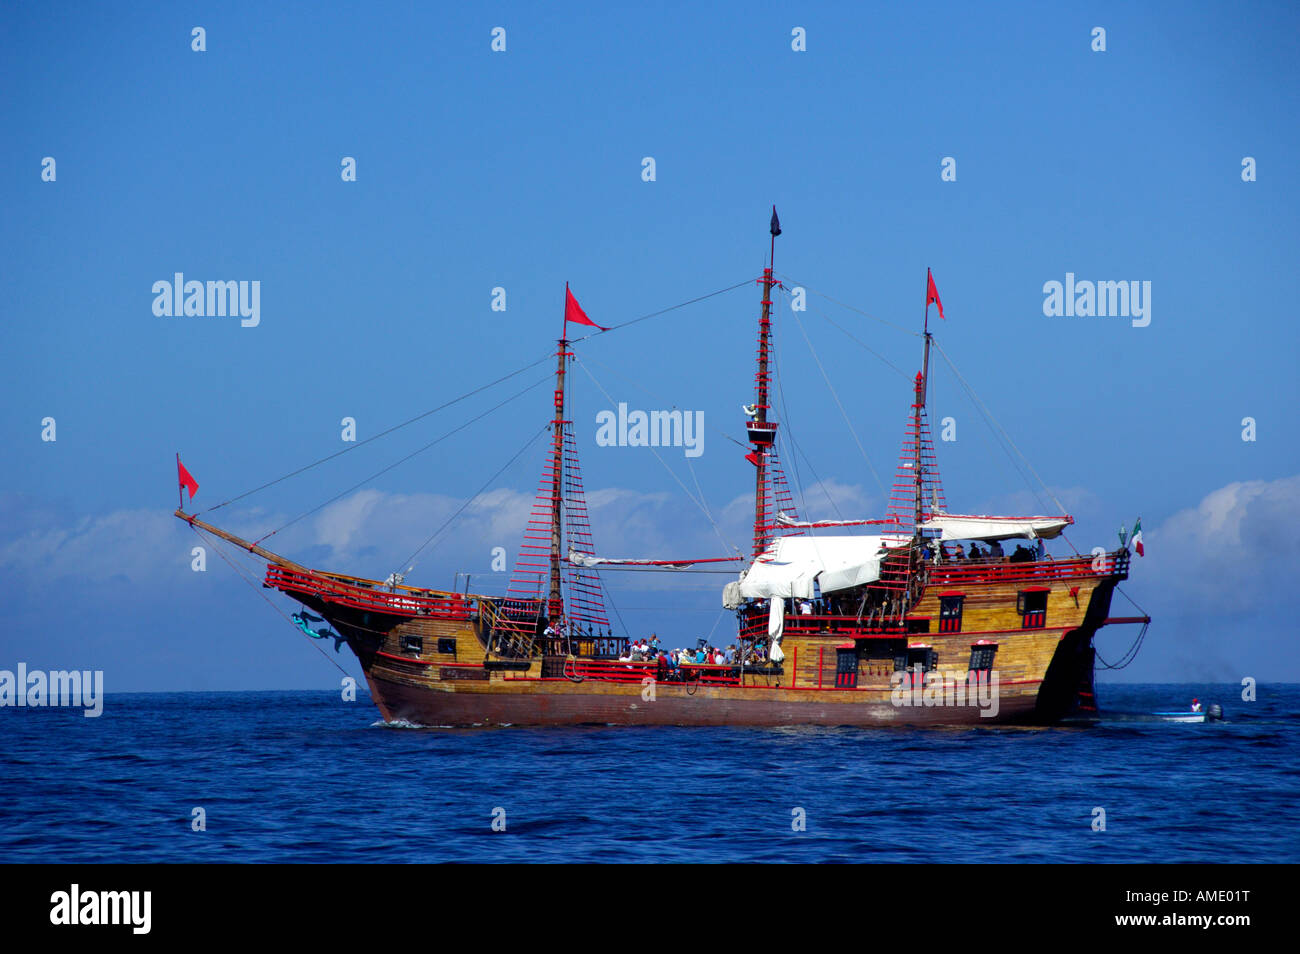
(898, 628)
(428, 657)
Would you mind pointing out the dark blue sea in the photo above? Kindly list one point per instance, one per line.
(305, 777)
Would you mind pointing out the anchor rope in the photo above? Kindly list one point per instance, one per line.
(1131, 655)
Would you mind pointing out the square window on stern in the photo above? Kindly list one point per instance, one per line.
(981, 657)
(950, 613)
(1032, 607)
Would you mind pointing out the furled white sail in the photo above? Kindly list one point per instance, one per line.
(789, 567)
(969, 527)
(785, 520)
(586, 560)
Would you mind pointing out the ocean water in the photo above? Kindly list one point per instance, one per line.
(306, 777)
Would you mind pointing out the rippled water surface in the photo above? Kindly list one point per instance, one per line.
(303, 776)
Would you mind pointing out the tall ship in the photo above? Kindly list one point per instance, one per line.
(917, 616)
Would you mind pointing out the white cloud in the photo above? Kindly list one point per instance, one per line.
(369, 533)
(1234, 551)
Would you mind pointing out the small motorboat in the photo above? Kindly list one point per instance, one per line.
(1210, 713)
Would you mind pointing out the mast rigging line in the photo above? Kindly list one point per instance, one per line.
(671, 404)
(703, 508)
(491, 480)
(787, 435)
(216, 546)
(414, 453)
(989, 415)
(384, 433)
(662, 311)
(784, 409)
(856, 340)
(838, 404)
(864, 314)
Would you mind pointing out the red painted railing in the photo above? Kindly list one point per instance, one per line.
(1003, 570)
(613, 670)
(798, 624)
(404, 601)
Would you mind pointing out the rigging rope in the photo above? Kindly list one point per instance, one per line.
(663, 311)
(468, 394)
(785, 435)
(855, 310)
(989, 415)
(843, 413)
(455, 430)
(691, 497)
(529, 443)
(395, 427)
(662, 400)
(216, 546)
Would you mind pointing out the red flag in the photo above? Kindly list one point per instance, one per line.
(186, 480)
(752, 458)
(573, 311)
(932, 293)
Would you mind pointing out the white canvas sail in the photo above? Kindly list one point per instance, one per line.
(970, 527)
(788, 569)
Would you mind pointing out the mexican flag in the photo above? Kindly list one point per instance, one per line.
(1137, 537)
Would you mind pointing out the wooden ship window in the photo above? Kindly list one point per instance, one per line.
(413, 644)
(981, 658)
(447, 645)
(1032, 607)
(914, 656)
(950, 613)
(846, 668)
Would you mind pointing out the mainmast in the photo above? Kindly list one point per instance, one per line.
(555, 605)
(762, 432)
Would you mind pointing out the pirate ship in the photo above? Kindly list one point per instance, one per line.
(845, 622)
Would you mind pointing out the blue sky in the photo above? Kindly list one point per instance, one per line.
(523, 169)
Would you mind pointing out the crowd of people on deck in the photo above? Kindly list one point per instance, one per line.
(994, 554)
(673, 664)
(682, 663)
